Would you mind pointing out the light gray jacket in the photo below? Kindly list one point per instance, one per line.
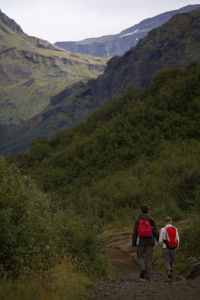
(163, 236)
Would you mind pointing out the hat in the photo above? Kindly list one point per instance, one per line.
(168, 219)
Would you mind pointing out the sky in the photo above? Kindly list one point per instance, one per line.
(75, 20)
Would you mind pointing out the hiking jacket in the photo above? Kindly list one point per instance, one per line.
(163, 236)
(147, 240)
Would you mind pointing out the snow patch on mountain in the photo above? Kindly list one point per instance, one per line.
(130, 33)
(137, 31)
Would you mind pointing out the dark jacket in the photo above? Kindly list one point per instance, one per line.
(147, 240)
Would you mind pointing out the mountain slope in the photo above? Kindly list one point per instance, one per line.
(175, 43)
(33, 70)
(117, 44)
(143, 145)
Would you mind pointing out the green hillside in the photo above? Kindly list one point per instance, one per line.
(176, 43)
(32, 71)
(142, 147)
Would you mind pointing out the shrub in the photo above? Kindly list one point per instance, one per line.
(190, 242)
(37, 231)
(25, 225)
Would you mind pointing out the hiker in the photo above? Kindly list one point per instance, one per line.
(144, 234)
(169, 241)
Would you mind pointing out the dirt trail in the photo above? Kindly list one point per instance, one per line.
(128, 285)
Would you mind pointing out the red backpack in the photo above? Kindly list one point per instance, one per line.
(144, 228)
(171, 241)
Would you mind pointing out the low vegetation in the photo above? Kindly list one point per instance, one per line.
(62, 283)
(143, 147)
(33, 70)
(43, 245)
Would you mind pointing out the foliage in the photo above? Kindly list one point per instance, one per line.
(142, 147)
(25, 225)
(35, 233)
(190, 244)
(62, 283)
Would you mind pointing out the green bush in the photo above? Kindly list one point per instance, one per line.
(76, 236)
(25, 225)
(190, 242)
(37, 231)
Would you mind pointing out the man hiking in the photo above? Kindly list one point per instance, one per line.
(145, 232)
(169, 241)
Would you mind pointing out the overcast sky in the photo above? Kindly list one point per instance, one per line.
(72, 20)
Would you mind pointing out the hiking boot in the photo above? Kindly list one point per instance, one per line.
(142, 274)
(148, 278)
(169, 274)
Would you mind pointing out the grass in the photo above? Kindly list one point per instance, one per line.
(181, 266)
(51, 70)
(61, 284)
(50, 78)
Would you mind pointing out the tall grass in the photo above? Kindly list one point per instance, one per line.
(61, 283)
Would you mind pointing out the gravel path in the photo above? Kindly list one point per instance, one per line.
(128, 286)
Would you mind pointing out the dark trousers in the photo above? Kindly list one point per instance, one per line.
(144, 255)
(169, 258)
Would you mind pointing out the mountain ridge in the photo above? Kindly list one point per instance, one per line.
(175, 43)
(16, 28)
(32, 71)
(117, 44)
(11, 24)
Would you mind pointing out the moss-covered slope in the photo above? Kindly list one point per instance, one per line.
(33, 70)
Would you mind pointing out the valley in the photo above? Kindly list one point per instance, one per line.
(175, 43)
(85, 142)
